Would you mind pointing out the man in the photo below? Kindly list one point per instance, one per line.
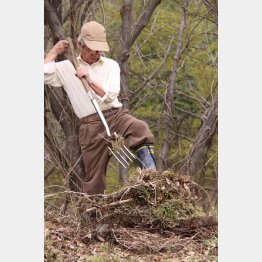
(103, 76)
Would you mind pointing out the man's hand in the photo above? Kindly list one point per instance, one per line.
(97, 88)
(59, 48)
(82, 72)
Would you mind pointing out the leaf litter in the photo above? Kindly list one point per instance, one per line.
(155, 217)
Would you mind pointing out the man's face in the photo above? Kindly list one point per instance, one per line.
(88, 55)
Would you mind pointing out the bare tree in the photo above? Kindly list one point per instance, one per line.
(203, 138)
(70, 159)
(173, 121)
(169, 95)
(126, 15)
(127, 41)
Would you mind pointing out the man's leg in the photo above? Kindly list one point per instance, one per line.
(95, 157)
(137, 136)
(146, 155)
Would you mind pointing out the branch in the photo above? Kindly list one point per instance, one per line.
(189, 139)
(144, 19)
(53, 22)
(204, 135)
(63, 112)
(200, 101)
(117, 203)
(169, 95)
(140, 88)
(188, 113)
(50, 172)
(77, 5)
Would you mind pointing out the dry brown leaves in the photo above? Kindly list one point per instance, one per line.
(156, 213)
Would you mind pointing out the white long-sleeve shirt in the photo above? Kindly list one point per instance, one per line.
(106, 72)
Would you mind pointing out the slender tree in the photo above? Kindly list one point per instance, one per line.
(61, 109)
(169, 94)
(203, 138)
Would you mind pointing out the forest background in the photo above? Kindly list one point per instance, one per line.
(239, 130)
(167, 52)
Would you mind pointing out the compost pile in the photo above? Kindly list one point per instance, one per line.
(154, 213)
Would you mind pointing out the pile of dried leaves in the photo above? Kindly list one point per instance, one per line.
(154, 213)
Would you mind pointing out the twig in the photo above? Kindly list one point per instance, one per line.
(50, 172)
(117, 203)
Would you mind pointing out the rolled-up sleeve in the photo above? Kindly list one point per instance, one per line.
(50, 75)
(112, 89)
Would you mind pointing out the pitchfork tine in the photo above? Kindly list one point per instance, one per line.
(134, 156)
(116, 157)
(130, 153)
(122, 158)
(126, 155)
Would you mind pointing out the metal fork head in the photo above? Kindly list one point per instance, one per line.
(119, 150)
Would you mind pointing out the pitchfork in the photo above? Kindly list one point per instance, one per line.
(116, 142)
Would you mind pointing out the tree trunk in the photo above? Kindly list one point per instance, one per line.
(63, 112)
(169, 96)
(203, 138)
(126, 42)
(53, 22)
(125, 12)
(144, 19)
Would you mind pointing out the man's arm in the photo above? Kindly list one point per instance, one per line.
(97, 88)
(59, 48)
(50, 68)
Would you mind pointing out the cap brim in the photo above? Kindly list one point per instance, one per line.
(97, 45)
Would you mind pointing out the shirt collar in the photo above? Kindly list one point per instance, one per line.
(100, 61)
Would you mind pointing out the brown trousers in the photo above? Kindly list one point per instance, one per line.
(94, 148)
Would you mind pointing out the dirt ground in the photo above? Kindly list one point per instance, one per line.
(61, 244)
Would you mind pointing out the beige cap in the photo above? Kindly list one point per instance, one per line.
(94, 36)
